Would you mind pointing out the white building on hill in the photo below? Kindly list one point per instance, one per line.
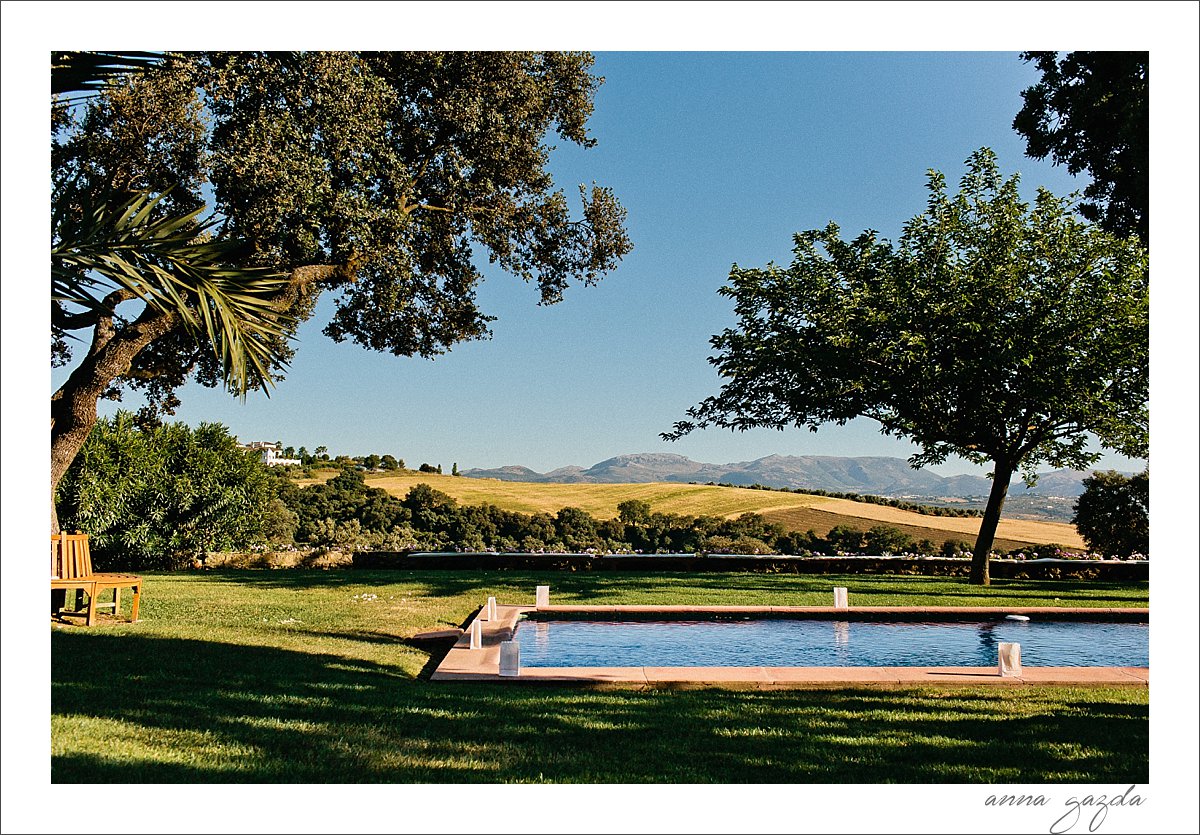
(271, 453)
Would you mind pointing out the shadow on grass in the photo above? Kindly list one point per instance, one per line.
(134, 709)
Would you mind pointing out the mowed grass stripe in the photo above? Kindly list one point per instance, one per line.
(795, 511)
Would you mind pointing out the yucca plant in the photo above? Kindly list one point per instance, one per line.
(171, 263)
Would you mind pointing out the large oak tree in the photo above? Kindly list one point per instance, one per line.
(1091, 112)
(994, 330)
(377, 177)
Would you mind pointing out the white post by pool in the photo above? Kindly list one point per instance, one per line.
(510, 658)
(491, 608)
(543, 597)
(476, 634)
(1010, 659)
(840, 598)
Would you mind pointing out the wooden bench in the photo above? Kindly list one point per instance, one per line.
(71, 568)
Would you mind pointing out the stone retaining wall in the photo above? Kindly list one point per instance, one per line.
(1047, 569)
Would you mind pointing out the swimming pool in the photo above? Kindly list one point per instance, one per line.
(779, 642)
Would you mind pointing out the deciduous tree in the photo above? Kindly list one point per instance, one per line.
(1113, 513)
(994, 330)
(1091, 112)
(376, 177)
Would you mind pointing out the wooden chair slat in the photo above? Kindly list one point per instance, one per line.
(71, 568)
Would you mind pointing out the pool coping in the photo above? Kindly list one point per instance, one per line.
(465, 664)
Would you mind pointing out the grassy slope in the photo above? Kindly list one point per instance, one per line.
(305, 676)
(794, 511)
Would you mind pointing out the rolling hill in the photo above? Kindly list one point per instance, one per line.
(792, 510)
(879, 476)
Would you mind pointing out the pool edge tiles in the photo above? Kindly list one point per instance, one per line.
(465, 664)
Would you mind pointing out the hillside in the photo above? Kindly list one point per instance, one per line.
(794, 511)
(879, 476)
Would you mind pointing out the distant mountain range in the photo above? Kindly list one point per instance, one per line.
(879, 476)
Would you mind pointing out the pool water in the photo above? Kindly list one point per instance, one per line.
(825, 643)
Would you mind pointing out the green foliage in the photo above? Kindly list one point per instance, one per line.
(161, 496)
(279, 523)
(381, 176)
(345, 513)
(110, 248)
(884, 539)
(993, 330)
(634, 512)
(955, 548)
(1091, 112)
(1113, 514)
(845, 539)
(577, 530)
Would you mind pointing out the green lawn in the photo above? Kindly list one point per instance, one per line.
(305, 676)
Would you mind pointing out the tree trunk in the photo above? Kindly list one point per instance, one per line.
(1001, 477)
(73, 407)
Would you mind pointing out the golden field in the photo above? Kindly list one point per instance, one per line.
(795, 511)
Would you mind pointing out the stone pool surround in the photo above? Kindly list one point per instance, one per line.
(465, 664)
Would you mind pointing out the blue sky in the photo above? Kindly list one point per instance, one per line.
(719, 157)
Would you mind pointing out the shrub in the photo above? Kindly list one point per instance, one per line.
(1113, 514)
(164, 496)
(955, 548)
(884, 539)
(845, 539)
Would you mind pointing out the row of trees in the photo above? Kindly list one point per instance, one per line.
(385, 462)
(164, 496)
(320, 456)
(345, 512)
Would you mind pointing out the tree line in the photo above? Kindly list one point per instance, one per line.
(164, 496)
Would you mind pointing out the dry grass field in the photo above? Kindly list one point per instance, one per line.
(1012, 533)
(795, 511)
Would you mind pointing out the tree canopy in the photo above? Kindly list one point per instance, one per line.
(1113, 513)
(1091, 112)
(993, 330)
(377, 177)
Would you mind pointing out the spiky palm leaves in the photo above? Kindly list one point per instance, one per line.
(110, 241)
(169, 263)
